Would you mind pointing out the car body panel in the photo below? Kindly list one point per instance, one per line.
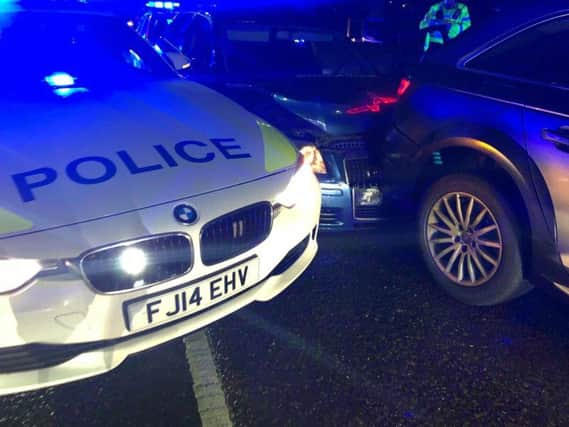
(497, 128)
(325, 101)
(101, 169)
(553, 164)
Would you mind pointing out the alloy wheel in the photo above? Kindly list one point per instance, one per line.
(464, 239)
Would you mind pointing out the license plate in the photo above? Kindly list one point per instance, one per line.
(191, 298)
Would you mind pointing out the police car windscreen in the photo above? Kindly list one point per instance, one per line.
(47, 54)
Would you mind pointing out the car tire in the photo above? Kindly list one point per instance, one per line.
(476, 269)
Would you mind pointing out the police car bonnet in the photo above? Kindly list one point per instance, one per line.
(74, 161)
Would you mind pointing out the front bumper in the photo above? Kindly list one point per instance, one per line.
(58, 329)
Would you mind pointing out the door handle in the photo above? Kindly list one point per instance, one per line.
(559, 137)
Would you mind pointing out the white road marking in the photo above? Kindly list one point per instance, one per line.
(207, 385)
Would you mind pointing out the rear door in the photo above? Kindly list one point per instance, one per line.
(537, 58)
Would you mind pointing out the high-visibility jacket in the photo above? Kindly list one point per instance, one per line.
(458, 17)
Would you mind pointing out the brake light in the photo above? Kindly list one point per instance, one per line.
(403, 86)
(377, 102)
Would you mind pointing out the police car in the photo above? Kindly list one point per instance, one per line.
(135, 207)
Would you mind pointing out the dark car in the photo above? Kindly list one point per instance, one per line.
(480, 150)
(326, 93)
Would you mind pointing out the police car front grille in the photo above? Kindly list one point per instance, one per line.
(167, 257)
(235, 233)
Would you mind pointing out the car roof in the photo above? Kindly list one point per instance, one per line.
(507, 19)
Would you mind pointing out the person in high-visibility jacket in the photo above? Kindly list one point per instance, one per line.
(444, 21)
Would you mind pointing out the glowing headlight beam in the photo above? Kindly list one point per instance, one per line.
(313, 157)
(295, 190)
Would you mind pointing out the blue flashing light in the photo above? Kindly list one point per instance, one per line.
(8, 6)
(169, 5)
(7, 10)
(158, 49)
(66, 92)
(60, 80)
(299, 41)
(130, 24)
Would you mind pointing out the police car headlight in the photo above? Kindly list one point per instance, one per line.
(17, 272)
(133, 261)
(313, 157)
(295, 191)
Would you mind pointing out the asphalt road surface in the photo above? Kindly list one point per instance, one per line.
(152, 388)
(363, 338)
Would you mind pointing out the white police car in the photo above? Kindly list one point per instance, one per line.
(134, 207)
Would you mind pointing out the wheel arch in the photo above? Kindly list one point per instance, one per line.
(505, 164)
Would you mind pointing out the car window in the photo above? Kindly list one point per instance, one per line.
(258, 51)
(157, 26)
(248, 35)
(177, 27)
(537, 54)
(261, 55)
(43, 52)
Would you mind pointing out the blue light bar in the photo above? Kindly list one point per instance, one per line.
(60, 80)
(169, 5)
(66, 92)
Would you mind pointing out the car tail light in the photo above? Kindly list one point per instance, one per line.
(378, 102)
(375, 106)
(404, 85)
